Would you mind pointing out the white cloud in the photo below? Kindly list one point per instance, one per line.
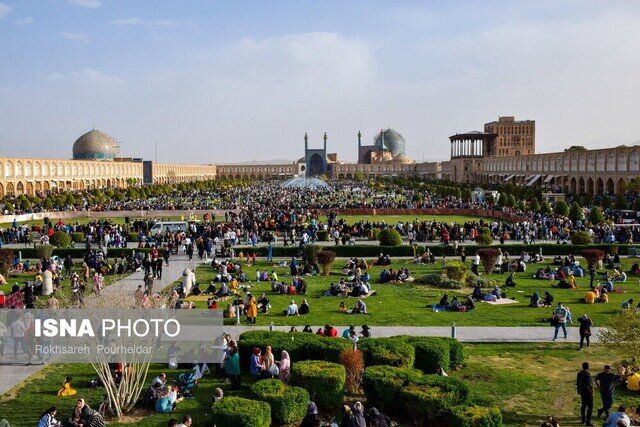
(88, 75)
(135, 21)
(4, 10)
(75, 37)
(91, 4)
(25, 21)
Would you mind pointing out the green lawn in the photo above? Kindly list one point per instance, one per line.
(527, 382)
(410, 304)
(393, 219)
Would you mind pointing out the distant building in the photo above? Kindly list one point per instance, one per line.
(512, 137)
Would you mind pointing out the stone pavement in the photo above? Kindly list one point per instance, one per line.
(14, 371)
(471, 334)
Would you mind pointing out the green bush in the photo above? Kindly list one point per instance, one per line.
(236, 411)
(300, 346)
(441, 281)
(424, 397)
(373, 233)
(44, 251)
(77, 237)
(322, 236)
(132, 237)
(580, 238)
(456, 270)
(430, 354)
(392, 351)
(484, 237)
(456, 352)
(389, 237)
(60, 239)
(310, 254)
(475, 416)
(288, 404)
(323, 380)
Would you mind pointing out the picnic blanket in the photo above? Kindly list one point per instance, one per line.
(502, 301)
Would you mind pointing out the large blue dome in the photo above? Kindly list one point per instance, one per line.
(391, 140)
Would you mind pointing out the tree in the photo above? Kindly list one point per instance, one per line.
(70, 200)
(605, 202)
(623, 331)
(522, 206)
(359, 176)
(484, 237)
(592, 256)
(575, 213)
(502, 199)
(535, 205)
(488, 257)
(621, 203)
(545, 209)
(596, 216)
(511, 201)
(636, 204)
(326, 259)
(561, 208)
(48, 204)
(6, 260)
(353, 362)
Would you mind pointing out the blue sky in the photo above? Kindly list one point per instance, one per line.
(217, 82)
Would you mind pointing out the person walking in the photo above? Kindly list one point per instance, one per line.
(269, 252)
(584, 385)
(475, 264)
(585, 329)
(559, 320)
(606, 382)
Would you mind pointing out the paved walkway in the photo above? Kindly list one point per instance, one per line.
(472, 334)
(14, 371)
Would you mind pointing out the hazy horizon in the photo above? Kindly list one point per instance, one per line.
(225, 82)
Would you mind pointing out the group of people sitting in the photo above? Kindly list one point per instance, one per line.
(358, 288)
(391, 276)
(81, 416)
(455, 304)
(425, 258)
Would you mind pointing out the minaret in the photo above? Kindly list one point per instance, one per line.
(359, 145)
(325, 143)
(306, 143)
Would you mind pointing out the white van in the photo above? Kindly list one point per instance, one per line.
(161, 227)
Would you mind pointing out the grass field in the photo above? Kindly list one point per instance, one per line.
(393, 219)
(409, 304)
(527, 382)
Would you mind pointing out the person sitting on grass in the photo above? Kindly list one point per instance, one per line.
(360, 308)
(48, 418)
(477, 293)
(509, 282)
(618, 418)
(343, 307)
(590, 297)
(263, 303)
(66, 389)
(167, 403)
(535, 301)
(604, 296)
(455, 304)
(82, 416)
(627, 305)
(469, 303)
(304, 307)
(548, 299)
(292, 310)
(444, 302)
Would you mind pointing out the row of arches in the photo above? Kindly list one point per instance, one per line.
(621, 162)
(573, 184)
(31, 188)
(71, 168)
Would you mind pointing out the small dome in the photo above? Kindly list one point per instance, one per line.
(402, 159)
(391, 140)
(95, 145)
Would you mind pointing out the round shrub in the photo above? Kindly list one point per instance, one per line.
(310, 254)
(236, 411)
(488, 257)
(484, 237)
(288, 404)
(456, 270)
(441, 281)
(326, 259)
(373, 233)
(323, 380)
(77, 237)
(60, 239)
(389, 237)
(580, 238)
(132, 237)
(476, 416)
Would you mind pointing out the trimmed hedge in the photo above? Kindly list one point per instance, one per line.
(389, 237)
(301, 346)
(288, 404)
(424, 397)
(324, 380)
(393, 351)
(32, 253)
(236, 411)
(425, 353)
(347, 251)
(322, 236)
(77, 237)
(475, 416)
(61, 239)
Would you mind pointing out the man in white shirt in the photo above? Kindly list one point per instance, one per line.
(618, 418)
(475, 264)
(292, 310)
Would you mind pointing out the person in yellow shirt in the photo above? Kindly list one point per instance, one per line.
(233, 285)
(590, 297)
(572, 281)
(66, 389)
(633, 382)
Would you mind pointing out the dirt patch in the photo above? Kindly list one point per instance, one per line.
(135, 416)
